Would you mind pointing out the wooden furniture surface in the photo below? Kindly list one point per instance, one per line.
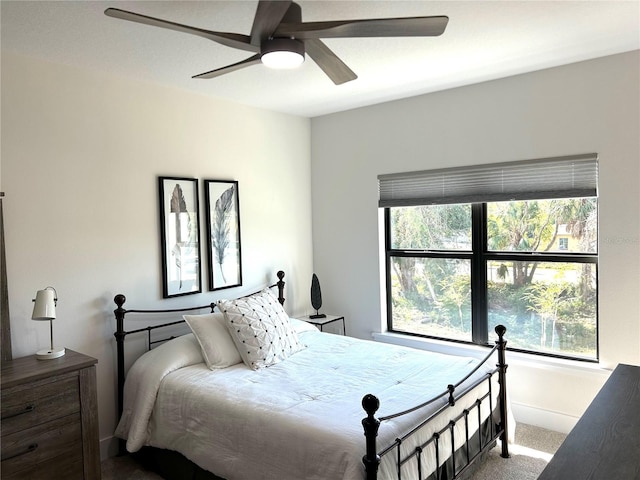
(605, 443)
(49, 422)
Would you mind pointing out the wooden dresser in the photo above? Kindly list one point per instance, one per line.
(49, 422)
(605, 443)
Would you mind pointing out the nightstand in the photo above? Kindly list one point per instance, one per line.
(49, 422)
(321, 322)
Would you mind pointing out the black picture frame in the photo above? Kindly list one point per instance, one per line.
(180, 236)
(222, 204)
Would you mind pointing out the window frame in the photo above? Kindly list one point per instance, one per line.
(563, 244)
(479, 256)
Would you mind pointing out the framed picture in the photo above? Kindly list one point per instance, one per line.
(180, 236)
(223, 233)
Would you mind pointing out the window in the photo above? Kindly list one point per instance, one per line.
(455, 270)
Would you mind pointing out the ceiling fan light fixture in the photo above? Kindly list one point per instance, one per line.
(282, 53)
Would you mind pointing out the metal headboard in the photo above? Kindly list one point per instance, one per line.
(121, 333)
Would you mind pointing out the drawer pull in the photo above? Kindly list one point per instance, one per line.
(30, 448)
(29, 408)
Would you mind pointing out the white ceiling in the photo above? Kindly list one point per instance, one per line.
(484, 40)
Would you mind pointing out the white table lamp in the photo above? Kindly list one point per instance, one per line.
(44, 308)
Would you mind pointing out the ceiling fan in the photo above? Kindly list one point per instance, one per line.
(280, 39)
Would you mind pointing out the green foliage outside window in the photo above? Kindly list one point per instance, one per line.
(545, 294)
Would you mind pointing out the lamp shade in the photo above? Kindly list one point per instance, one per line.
(44, 307)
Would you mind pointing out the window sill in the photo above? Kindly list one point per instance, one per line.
(513, 358)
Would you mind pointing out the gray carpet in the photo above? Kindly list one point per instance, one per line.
(530, 453)
(532, 449)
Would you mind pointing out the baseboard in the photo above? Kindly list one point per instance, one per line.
(108, 447)
(557, 422)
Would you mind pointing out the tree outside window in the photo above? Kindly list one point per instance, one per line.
(455, 271)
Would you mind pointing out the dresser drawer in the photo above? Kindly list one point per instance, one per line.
(51, 445)
(60, 468)
(49, 419)
(25, 406)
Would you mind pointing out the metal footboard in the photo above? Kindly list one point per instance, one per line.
(458, 460)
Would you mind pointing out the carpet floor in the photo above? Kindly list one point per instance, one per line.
(530, 452)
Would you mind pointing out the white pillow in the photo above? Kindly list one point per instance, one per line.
(300, 326)
(261, 329)
(218, 349)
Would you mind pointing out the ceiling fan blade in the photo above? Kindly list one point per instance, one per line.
(230, 68)
(269, 14)
(329, 62)
(234, 40)
(382, 27)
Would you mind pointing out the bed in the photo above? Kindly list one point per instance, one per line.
(316, 406)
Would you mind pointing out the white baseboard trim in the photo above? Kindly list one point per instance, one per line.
(558, 422)
(108, 447)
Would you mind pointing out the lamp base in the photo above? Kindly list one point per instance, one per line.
(50, 354)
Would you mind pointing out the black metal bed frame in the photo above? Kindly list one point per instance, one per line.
(121, 333)
(371, 424)
(371, 403)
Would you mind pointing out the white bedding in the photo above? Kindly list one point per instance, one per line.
(298, 419)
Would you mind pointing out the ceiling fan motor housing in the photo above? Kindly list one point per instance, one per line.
(282, 52)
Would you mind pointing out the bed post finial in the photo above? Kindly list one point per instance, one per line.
(119, 312)
(371, 460)
(502, 378)
(280, 285)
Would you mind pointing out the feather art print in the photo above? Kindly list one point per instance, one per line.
(223, 233)
(221, 228)
(178, 206)
(179, 236)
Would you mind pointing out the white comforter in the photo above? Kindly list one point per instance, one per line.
(299, 419)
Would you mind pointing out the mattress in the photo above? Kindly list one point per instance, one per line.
(298, 419)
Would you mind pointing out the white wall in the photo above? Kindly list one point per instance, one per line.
(81, 153)
(580, 108)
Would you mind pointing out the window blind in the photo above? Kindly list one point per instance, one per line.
(559, 177)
